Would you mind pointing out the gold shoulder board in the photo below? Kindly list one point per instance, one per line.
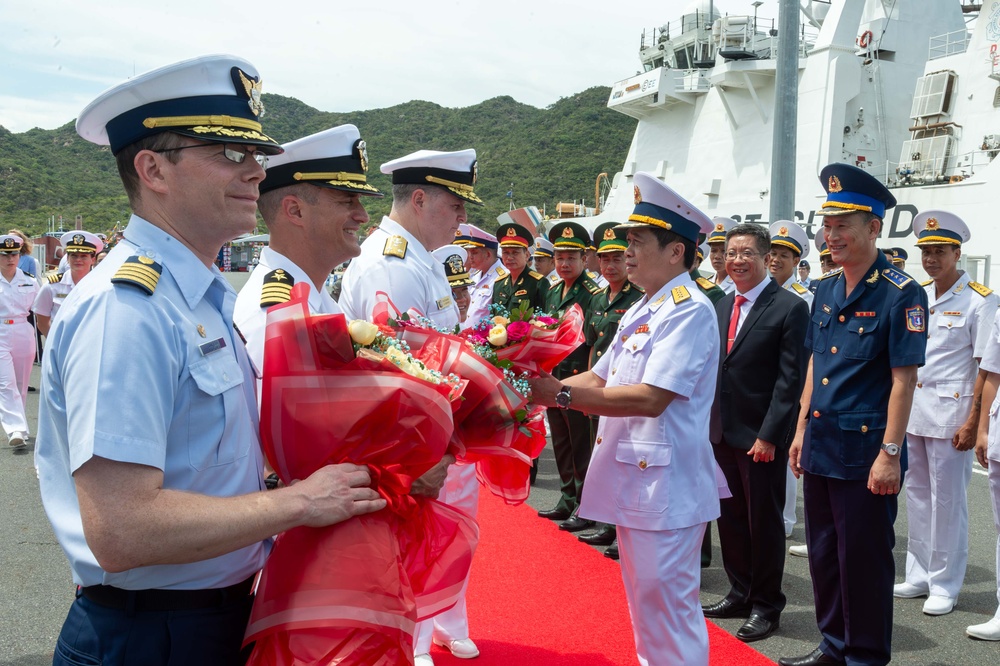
(706, 285)
(799, 289)
(680, 294)
(140, 272)
(834, 273)
(53, 277)
(980, 289)
(277, 288)
(501, 272)
(395, 246)
(537, 276)
(924, 284)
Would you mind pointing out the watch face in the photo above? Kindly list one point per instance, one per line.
(891, 449)
(562, 398)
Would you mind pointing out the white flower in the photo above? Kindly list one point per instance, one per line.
(362, 332)
(497, 336)
(500, 320)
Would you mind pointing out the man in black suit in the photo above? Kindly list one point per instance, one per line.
(761, 372)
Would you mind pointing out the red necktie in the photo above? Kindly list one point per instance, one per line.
(734, 320)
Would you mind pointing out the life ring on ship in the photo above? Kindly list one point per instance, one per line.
(865, 39)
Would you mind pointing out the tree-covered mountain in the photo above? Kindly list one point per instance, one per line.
(550, 155)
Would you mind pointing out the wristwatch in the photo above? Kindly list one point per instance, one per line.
(891, 449)
(563, 398)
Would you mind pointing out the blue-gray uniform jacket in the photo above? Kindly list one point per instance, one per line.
(856, 341)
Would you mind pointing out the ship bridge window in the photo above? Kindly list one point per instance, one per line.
(683, 57)
(933, 94)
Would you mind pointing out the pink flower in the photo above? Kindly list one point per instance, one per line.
(478, 339)
(517, 331)
(547, 321)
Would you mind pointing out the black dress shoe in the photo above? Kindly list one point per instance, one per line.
(554, 514)
(756, 628)
(32, 389)
(602, 537)
(727, 608)
(814, 658)
(612, 551)
(576, 524)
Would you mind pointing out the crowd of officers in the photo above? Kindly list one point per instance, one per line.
(162, 511)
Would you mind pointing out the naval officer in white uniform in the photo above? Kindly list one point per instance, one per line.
(944, 418)
(82, 247)
(652, 472)
(717, 249)
(429, 192)
(17, 340)
(484, 267)
(988, 455)
(311, 202)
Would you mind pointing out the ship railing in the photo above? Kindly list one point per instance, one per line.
(950, 43)
(940, 170)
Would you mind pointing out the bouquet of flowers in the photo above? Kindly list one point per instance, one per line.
(528, 342)
(351, 593)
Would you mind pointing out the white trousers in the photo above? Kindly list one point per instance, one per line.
(461, 490)
(662, 575)
(791, 490)
(937, 513)
(994, 477)
(17, 354)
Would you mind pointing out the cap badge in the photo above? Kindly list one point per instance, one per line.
(568, 232)
(455, 264)
(252, 87)
(363, 154)
(638, 196)
(78, 239)
(9, 242)
(932, 223)
(783, 231)
(609, 234)
(511, 232)
(458, 232)
(834, 185)
(719, 228)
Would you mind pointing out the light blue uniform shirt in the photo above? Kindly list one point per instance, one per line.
(158, 380)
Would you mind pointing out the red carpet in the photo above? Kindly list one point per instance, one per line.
(526, 608)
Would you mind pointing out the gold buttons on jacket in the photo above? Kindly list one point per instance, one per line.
(598, 353)
(826, 381)
(816, 414)
(633, 346)
(861, 329)
(624, 338)
(840, 318)
(599, 439)
(956, 394)
(864, 428)
(932, 310)
(920, 384)
(601, 334)
(643, 464)
(833, 350)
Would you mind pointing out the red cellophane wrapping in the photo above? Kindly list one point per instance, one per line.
(352, 592)
(544, 348)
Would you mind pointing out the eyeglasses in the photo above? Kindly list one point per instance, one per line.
(231, 151)
(745, 255)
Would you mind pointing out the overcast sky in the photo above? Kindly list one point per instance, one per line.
(57, 55)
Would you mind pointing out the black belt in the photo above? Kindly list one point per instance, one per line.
(167, 600)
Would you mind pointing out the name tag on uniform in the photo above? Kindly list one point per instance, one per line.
(442, 303)
(207, 348)
(826, 309)
(951, 314)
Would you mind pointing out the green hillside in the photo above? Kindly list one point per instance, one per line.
(550, 155)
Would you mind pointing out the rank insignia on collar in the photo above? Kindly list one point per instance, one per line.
(873, 278)
(201, 330)
(915, 319)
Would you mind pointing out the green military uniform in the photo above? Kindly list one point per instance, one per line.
(510, 291)
(709, 288)
(581, 293)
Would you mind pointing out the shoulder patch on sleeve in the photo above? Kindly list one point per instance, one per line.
(834, 273)
(798, 288)
(140, 272)
(537, 276)
(680, 294)
(54, 276)
(277, 288)
(896, 277)
(395, 246)
(980, 289)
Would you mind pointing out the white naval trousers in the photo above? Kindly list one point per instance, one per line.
(662, 575)
(17, 354)
(993, 473)
(937, 514)
(461, 490)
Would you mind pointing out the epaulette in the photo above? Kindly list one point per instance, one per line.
(537, 276)
(593, 288)
(706, 285)
(980, 289)
(31, 275)
(54, 276)
(799, 289)
(277, 288)
(834, 273)
(680, 294)
(896, 277)
(558, 281)
(502, 272)
(924, 284)
(395, 246)
(140, 272)
(592, 275)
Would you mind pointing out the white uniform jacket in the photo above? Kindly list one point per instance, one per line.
(958, 328)
(792, 285)
(395, 262)
(659, 473)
